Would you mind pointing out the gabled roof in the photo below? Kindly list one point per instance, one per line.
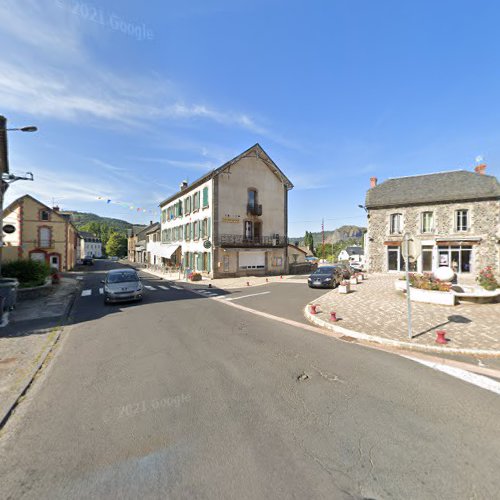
(457, 185)
(355, 250)
(255, 150)
(297, 248)
(51, 210)
(152, 228)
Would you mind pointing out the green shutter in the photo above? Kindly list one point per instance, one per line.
(209, 261)
(209, 228)
(205, 197)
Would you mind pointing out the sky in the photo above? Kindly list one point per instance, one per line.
(130, 98)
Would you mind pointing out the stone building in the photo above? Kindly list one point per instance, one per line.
(452, 219)
(230, 222)
(90, 245)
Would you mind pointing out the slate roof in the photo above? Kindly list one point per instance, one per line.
(457, 185)
(355, 250)
(259, 152)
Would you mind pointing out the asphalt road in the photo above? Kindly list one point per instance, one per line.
(182, 396)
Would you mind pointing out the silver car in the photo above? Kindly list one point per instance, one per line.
(122, 285)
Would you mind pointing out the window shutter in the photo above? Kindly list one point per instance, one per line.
(209, 262)
(205, 197)
(209, 227)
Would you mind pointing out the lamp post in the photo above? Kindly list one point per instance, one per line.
(406, 240)
(6, 177)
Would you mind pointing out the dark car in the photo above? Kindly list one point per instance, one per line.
(325, 277)
(122, 285)
(347, 270)
(88, 261)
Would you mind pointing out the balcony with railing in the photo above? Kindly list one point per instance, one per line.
(238, 240)
(254, 209)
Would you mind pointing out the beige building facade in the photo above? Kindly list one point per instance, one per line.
(232, 221)
(41, 233)
(451, 219)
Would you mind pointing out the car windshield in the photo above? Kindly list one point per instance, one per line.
(324, 270)
(122, 277)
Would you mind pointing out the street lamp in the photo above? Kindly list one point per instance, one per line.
(6, 177)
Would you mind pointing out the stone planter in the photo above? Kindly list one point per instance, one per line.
(345, 288)
(432, 297)
(353, 280)
(359, 278)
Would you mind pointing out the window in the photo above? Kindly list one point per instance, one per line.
(248, 230)
(196, 201)
(395, 259)
(252, 198)
(187, 232)
(196, 230)
(462, 220)
(163, 215)
(427, 258)
(204, 228)
(44, 215)
(427, 222)
(395, 225)
(459, 258)
(187, 205)
(44, 237)
(205, 197)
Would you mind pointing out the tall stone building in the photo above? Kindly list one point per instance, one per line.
(452, 219)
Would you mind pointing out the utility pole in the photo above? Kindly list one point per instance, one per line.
(6, 177)
(323, 237)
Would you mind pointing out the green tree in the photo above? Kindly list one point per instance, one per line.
(309, 241)
(116, 245)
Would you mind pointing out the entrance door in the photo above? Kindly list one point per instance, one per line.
(54, 261)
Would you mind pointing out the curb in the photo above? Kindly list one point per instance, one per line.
(395, 343)
(30, 377)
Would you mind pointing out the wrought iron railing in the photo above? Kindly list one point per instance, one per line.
(254, 209)
(237, 240)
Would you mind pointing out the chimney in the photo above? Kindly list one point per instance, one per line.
(150, 222)
(373, 182)
(184, 185)
(479, 169)
(56, 208)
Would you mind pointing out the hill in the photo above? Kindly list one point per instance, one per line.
(342, 233)
(80, 219)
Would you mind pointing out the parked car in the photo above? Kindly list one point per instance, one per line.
(325, 277)
(88, 261)
(122, 285)
(347, 270)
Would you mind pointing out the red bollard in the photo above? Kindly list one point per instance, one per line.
(333, 316)
(281, 277)
(440, 339)
(313, 309)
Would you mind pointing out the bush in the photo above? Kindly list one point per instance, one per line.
(28, 272)
(486, 279)
(194, 276)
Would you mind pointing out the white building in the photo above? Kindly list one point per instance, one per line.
(230, 222)
(90, 245)
(354, 254)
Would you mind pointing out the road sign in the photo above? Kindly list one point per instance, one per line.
(9, 229)
(207, 244)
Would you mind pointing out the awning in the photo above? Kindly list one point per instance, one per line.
(166, 251)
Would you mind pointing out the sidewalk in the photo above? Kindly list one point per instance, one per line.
(375, 312)
(223, 283)
(34, 327)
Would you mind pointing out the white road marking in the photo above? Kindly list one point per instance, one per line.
(149, 287)
(101, 290)
(163, 287)
(86, 293)
(245, 296)
(177, 287)
(79, 277)
(472, 378)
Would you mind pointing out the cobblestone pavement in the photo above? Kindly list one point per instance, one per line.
(375, 308)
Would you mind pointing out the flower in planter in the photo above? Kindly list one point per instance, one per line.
(487, 279)
(344, 283)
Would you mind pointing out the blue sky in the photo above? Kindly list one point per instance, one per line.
(132, 97)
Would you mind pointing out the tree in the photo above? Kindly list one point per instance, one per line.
(309, 241)
(117, 245)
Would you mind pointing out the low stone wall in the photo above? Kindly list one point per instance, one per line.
(34, 292)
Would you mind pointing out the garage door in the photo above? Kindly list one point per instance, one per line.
(252, 260)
